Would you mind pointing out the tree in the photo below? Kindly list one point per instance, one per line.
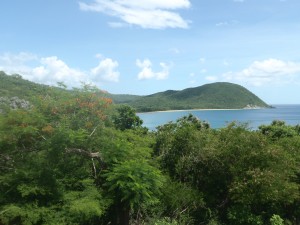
(176, 139)
(276, 220)
(240, 172)
(133, 183)
(126, 118)
(278, 129)
(44, 179)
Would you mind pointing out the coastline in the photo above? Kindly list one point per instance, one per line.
(218, 118)
(182, 110)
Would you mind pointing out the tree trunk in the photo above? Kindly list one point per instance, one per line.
(122, 214)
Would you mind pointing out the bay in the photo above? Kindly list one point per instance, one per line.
(220, 118)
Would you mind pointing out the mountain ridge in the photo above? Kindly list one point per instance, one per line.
(218, 95)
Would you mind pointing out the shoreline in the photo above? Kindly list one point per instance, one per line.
(182, 110)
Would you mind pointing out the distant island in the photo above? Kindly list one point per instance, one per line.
(219, 95)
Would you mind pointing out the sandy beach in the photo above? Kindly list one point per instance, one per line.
(182, 110)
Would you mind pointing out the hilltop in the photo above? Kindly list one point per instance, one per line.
(16, 86)
(220, 95)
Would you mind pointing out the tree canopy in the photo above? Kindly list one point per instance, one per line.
(73, 157)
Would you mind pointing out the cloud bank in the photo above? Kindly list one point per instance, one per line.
(153, 14)
(147, 72)
(50, 70)
(106, 70)
(265, 72)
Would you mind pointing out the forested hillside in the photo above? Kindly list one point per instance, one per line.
(219, 95)
(76, 158)
(14, 85)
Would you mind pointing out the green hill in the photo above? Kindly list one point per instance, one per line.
(219, 95)
(16, 86)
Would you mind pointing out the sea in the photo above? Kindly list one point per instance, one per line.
(220, 118)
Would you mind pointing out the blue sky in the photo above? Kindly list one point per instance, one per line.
(146, 46)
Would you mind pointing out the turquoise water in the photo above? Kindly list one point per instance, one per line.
(219, 118)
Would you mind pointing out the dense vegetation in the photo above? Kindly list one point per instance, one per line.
(219, 95)
(14, 85)
(73, 157)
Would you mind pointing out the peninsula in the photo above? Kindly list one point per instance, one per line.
(219, 95)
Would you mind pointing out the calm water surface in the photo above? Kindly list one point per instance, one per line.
(219, 118)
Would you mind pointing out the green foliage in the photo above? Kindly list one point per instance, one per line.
(126, 118)
(278, 129)
(276, 220)
(27, 215)
(86, 205)
(214, 96)
(56, 153)
(40, 175)
(164, 221)
(14, 85)
(182, 206)
(134, 182)
(62, 161)
(232, 167)
(176, 139)
(242, 215)
(76, 207)
(122, 98)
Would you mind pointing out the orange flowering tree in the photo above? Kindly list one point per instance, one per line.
(43, 174)
(63, 162)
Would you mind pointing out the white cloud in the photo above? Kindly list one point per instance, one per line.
(106, 70)
(227, 23)
(99, 56)
(20, 58)
(53, 70)
(270, 71)
(148, 73)
(211, 78)
(154, 14)
(50, 70)
(16, 63)
(222, 24)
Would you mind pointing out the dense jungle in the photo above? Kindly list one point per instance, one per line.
(74, 157)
